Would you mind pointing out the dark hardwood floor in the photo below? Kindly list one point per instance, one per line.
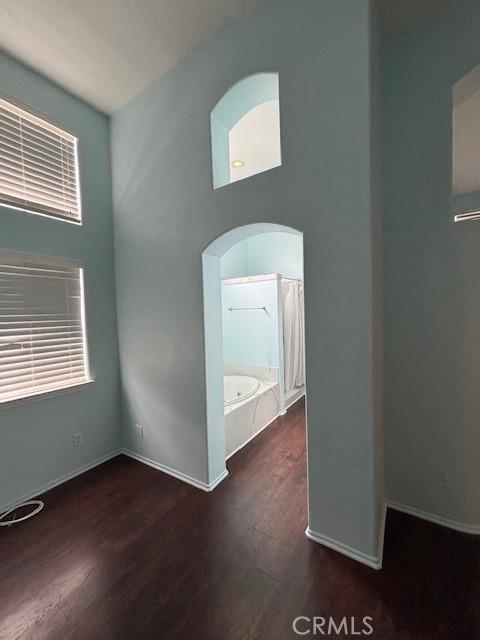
(126, 552)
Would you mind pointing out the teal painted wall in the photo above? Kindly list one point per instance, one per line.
(265, 253)
(166, 213)
(250, 337)
(432, 274)
(253, 339)
(36, 437)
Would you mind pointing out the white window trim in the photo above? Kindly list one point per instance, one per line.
(68, 387)
(7, 206)
(62, 127)
(43, 395)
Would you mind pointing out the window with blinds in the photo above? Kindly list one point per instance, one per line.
(38, 165)
(42, 325)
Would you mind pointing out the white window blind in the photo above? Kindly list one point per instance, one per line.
(38, 165)
(42, 325)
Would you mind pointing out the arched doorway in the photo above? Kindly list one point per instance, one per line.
(214, 360)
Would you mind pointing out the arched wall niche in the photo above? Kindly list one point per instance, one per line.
(245, 129)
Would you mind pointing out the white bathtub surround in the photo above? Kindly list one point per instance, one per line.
(265, 374)
(246, 418)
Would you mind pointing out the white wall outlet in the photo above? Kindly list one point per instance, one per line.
(138, 430)
(78, 439)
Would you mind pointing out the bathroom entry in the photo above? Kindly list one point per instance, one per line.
(257, 329)
(263, 348)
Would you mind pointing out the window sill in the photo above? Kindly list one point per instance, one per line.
(42, 395)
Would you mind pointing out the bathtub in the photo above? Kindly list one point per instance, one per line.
(250, 405)
(238, 387)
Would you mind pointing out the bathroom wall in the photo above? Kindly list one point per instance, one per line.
(275, 252)
(36, 436)
(432, 275)
(166, 213)
(250, 336)
(234, 263)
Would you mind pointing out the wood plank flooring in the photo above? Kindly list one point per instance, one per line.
(125, 552)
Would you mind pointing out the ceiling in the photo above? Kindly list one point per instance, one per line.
(107, 51)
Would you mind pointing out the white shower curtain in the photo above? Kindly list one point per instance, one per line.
(293, 334)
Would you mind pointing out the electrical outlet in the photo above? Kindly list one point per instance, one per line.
(77, 439)
(138, 430)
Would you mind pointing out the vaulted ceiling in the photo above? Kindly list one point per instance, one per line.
(107, 51)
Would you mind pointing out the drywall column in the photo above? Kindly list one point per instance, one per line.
(166, 213)
(212, 321)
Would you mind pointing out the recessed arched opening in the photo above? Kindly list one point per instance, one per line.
(263, 309)
(245, 129)
(466, 146)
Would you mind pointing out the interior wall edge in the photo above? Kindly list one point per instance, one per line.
(381, 532)
(377, 258)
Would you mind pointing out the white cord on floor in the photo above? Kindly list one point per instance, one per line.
(7, 523)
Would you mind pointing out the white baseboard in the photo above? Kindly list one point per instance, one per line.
(436, 519)
(54, 483)
(211, 486)
(179, 475)
(370, 561)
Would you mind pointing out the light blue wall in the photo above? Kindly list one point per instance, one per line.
(36, 437)
(276, 253)
(234, 263)
(250, 337)
(166, 213)
(265, 253)
(432, 275)
(253, 339)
